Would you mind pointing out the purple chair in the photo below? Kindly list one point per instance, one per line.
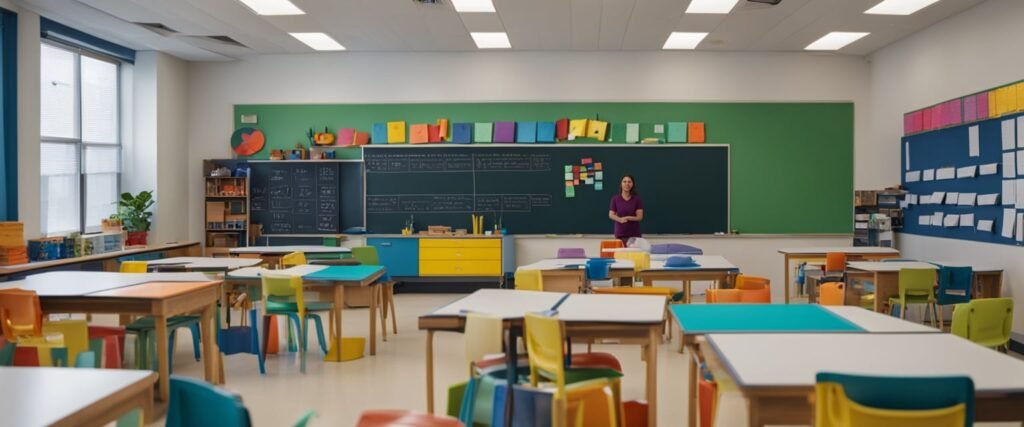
(571, 253)
(675, 249)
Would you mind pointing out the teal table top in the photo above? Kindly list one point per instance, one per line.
(353, 273)
(754, 318)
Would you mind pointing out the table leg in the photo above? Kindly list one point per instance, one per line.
(210, 351)
(692, 387)
(886, 285)
(686, 291)
(161, 358)
(652, 377)
(373, 320)
(334, 355)
(785, 275)
(148, 412)
(430, 371)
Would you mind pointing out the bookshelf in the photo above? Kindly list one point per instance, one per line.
(226, 213)
(876, 214)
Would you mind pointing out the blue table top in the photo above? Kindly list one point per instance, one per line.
(352, 273)
(753, 318)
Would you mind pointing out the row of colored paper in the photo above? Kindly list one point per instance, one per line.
(397, 132)
(981, 106)
(588, 172)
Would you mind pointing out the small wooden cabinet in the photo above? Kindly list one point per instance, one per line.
(431, 257)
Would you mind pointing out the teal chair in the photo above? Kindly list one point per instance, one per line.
(367, 255)
(6, 352)
(197, 403)
(985, 321)
(283, 295)
(896, 394)
(144, 329)
(916, 286)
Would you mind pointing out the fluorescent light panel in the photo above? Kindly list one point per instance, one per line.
(491, 40)
(711, 6)
(273, 7)
(467, 6)
(679, 40)
(835, 40)
(899, 7)
(318, 41)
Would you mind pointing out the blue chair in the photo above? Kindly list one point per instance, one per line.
(6, 352)
(954, 285)
(197, 403)
(899, 393)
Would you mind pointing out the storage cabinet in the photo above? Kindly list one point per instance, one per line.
(460, 257)
(399, 255)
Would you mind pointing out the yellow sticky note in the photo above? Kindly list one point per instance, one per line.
(1020, 97)
(1010, 99)
(578, 127)
(396, 132)
(992, 103)
(583, 175)
(597, 129)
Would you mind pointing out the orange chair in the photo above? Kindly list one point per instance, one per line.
(400, 418)
(20, 314)
(832, 293)
(610, 244)
(835, 262)
(723, 296)
(744, 281)
(754, 289)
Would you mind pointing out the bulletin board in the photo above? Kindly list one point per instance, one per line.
(979, 164)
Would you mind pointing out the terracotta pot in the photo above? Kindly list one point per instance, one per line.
(137, 238)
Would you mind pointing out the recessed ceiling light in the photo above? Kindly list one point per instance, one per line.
(678, 40)
(273, 7)
(711, 6)
(899, 7)
(835, 40)
(491, 40)
(466, 6)
(318, 41)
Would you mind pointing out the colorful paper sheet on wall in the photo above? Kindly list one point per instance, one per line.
(433, 133)
(562, 129)
(546, 132)
(982, 105)
(597, 129)
(380, 133)
(346, 137)
(482, 132)
(632, 133)
(578, 128)
(695, 132)
(361, 138)
(419, 134)
(677, 132)
(396, 132)
(618, 133)
(462, 133)
(442, 129)
(504, 132)
(247, 141)
(526, 132)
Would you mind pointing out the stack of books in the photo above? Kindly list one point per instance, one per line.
(12, 244)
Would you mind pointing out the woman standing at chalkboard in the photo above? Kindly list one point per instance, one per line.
(627, 210)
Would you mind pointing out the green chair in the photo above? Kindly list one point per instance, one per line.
(367, 255)
(197, 403)
(984, 321)
(282, 295)
(6, 352)
(916, 286)
(853, 400)
(144, 329)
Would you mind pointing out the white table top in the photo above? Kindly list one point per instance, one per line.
(38, 396)
(875, 266)
(73, 283)
(308, 249)
(792, 360)
(706, 262)
(873, 322)
(206, 263)
(561, 263)
(504, 303)
(610, 308)
(856, 250)
(250, 273)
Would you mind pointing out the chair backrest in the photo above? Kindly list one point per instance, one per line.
(20, 314)
(544, 338)
(134, 266)
(835, 262)
(641, 260)
(599, 268)
(75, 333)
(917, 282)
(366, 255)
(483, 336)
(832, 293)
(756, 296)
(391, 418)
(853, 400)
(294, 258)
(282, 286)
(954, 285)
(195, 403)
(723, 296)
(529, 280)
(571, 253)
(6, 352)
(990, 321)
(744, 281)
(610, 244)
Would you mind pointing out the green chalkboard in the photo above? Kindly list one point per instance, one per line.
(791, 163)
(685, 188)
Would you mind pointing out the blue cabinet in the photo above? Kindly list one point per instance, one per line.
(401, 256)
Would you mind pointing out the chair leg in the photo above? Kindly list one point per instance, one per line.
(319, 331)
(391, 304)
(903, 311)
(383, 307)
(302, 341)
(255, 336)
(195, 339)
(291, 335)
(266, 335)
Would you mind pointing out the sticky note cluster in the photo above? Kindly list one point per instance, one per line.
(587, 172)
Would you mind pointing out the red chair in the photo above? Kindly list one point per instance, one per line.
(400, 418)
(610, 244)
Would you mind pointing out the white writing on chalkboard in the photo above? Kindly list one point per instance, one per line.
(455, 203)
(296, 198)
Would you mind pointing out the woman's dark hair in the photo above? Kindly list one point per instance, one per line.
(632, 190)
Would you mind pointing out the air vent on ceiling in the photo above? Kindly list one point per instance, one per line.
(157, 27)
(223, 40)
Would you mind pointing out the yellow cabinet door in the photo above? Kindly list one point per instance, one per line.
(455, 254)
(467, 242)
(460, 268)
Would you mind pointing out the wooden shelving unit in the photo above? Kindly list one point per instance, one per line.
(226, 207)
(876, 214)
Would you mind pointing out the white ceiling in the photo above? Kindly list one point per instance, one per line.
(404, 25)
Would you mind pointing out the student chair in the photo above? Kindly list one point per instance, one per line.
(610, 244)
(564, 253)
(985, 321)
(529, 280)
(76, 336)
(641, 260)
(832, 293)
(394, 417)
(851, 400)
(754, 289)
(723, 296)
(282, 295)
(367, 255)
(545, 338)
(293, 259)
(916, 286)
(194, 403)
(144, 328)
(20, 314)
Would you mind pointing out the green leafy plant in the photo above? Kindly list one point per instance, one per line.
(133, 210)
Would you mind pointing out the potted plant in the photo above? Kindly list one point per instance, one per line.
(133, 211)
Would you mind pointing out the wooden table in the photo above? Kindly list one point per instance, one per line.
(338, 277)
(205, 263)
(569, 274)
(37, 396)
(710, 267)
(636, 318)
(108, 261)
(853, 253)
(273, 254)
(698, 320)
(776, 372)
(886, 279)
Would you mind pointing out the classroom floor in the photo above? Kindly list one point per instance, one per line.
(395, 377)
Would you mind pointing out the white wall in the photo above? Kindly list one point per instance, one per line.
(28, 122)
(975, 50)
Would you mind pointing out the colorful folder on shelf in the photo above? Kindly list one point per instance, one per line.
(561, 129)
(396, 132)
(380, 133)
(419, 133)
(526, 132)
(597, 129)
(361, 138)
(504, 132)
(482, 132)
(442, 130)
(462, 133)
(345, 136)
(546, 132)
(578, 128)
(695, 132)
(676, 132)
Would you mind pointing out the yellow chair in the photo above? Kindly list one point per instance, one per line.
(985, 321)
(641, 260)
(482, 336)
(283, 295)
(917, 286)
(529, 280)
(293, 259)
(134, 267)
(851, 401)
(545, 338)
(75, 333)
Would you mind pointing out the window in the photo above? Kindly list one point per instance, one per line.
(80, 144)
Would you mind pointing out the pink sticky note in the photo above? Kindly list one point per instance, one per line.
(982, 106)
(970, 108)
(345, 136)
